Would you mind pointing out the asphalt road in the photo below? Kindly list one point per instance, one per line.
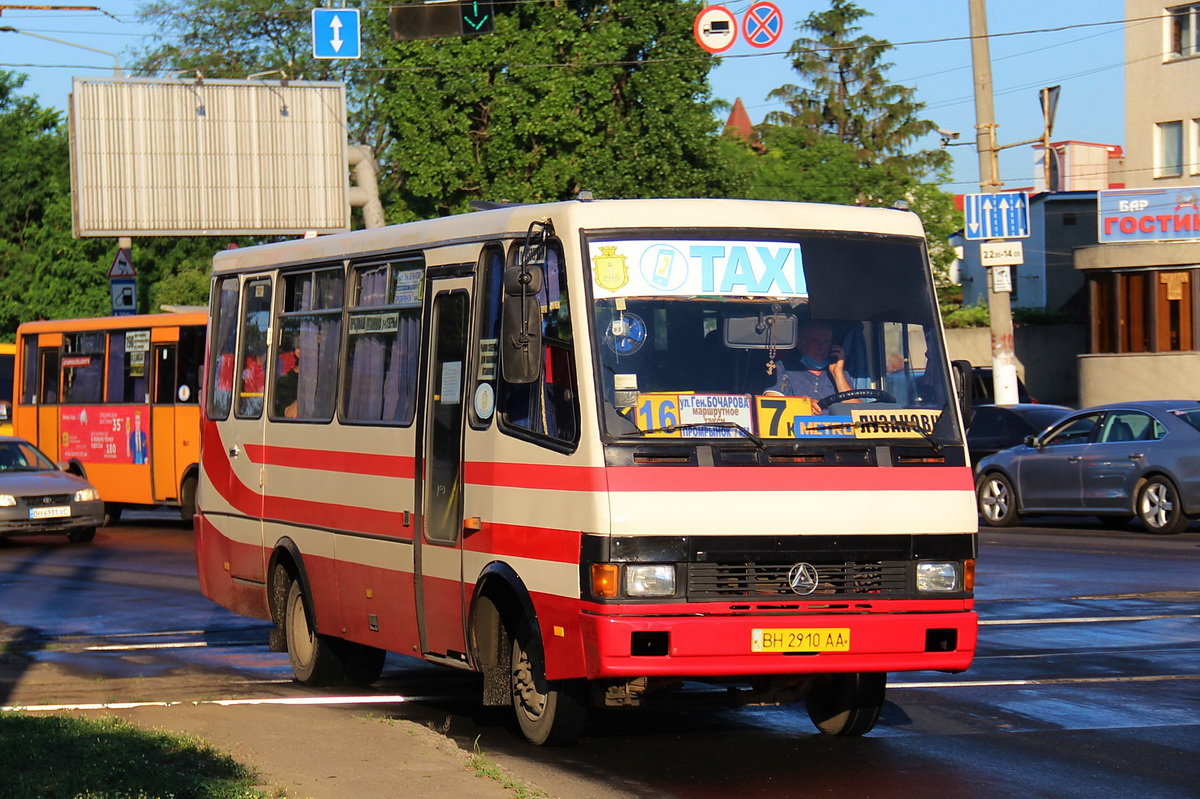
(1086, 683)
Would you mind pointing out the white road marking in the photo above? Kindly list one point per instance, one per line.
(1048, 681)
(1087, 619)
(381, 699)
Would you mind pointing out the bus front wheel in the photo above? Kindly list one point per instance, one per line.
(846, 704)
(549, 712)
(314, 657)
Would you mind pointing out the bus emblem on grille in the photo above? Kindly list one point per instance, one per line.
(802, 578)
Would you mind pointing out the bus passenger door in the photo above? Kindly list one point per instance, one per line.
(438, 546)
(164, 480)
(49, 378)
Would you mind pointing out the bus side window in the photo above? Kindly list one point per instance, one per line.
(550, 406)
(29, 375)
(256, 318)
(127, 368)
(382, 352)
(310, 337)
(489, 294)
(223, 349)
(48, 394)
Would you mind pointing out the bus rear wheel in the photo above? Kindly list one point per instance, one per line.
(846, 704)
(314, 657)
(549, 712)
(363, 664)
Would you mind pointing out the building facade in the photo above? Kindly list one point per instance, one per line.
(1143, 279)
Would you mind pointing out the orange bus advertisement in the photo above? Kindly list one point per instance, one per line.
(99, 434)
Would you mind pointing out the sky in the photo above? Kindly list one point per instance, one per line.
(1077, 44)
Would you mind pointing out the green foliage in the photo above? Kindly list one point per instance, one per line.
(48, 757)
(562, 97)
(966, 316)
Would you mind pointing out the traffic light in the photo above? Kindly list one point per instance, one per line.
(441, 18)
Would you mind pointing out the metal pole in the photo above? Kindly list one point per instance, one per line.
(116, 61)
(1004, 361)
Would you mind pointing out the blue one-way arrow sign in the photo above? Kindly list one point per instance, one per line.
(1004, 215)
(336, 33)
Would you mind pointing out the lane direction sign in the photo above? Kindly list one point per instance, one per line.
(715, 29)
(1003, 215)
(336, 33)
(762, 24)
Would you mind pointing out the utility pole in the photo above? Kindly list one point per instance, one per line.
(1004, 361)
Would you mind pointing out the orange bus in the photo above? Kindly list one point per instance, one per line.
(7, 358)
(117, 400)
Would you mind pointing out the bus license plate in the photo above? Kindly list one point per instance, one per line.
(55, 512)
(801, 639)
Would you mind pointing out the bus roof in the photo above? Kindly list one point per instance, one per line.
(114, 322)
(512, 221)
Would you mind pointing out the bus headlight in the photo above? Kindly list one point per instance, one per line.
(7, 501)
(657, 580)
(937, 576)
(86, 495)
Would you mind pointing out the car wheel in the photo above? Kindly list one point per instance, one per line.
(847, 704)
(1159, 507)
(83, 535)
(997, 500)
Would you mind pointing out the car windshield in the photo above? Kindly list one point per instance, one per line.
(737, 338)
(21, 456)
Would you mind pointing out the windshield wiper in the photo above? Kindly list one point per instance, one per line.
(894, 423)
(671, 428)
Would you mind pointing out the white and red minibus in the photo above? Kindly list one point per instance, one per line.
(548, 443)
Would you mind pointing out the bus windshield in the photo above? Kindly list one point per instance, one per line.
(796, 336)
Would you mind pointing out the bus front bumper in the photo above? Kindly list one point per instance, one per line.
(623, 646)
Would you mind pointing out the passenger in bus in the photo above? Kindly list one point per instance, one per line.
(817, 369)
(287, 385)
(250, 402)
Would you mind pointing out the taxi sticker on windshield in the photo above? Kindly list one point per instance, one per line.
(894, 423)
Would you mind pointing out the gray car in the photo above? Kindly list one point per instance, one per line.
(37, 498)
(1112, 461)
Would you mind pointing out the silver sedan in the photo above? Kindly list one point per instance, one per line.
(1113, 461)
(36, 497)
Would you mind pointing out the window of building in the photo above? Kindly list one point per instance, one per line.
(1183, 34)
(1170, 149)
(1146, 311)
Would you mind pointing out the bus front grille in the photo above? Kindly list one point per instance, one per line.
(762, 580)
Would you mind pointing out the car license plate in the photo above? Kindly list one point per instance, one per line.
(801, 639)
(54, 512)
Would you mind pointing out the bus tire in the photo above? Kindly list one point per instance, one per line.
(187, 500)
(847, 704)
(83, 535)
(549, 712)
(362, 663)
(314, 657)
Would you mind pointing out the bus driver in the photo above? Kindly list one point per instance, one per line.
(822, 366)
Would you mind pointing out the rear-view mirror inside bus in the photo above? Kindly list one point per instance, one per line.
(761, 332)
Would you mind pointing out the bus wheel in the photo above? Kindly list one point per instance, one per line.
(314, 657)
(187, 500)
(363, 664)
(549, 712)
(112, 514)
(83, 535)
(847, 704)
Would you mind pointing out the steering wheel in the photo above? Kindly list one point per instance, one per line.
(877, 394)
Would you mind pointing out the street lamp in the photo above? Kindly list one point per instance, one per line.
(116, 62)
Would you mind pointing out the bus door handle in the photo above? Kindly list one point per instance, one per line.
(234, 451)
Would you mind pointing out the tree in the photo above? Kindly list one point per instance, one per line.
(565, 95)
(846, 95)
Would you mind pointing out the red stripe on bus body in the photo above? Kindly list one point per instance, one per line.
(333, 461)
(512, 540)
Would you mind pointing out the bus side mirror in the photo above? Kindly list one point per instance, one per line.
(521, 325)
(963, 389)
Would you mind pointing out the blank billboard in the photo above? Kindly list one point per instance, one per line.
(168, 157)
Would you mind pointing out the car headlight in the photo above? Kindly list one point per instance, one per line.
(937, 576)
(86, 495)
(7, 501)
(654, 580)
